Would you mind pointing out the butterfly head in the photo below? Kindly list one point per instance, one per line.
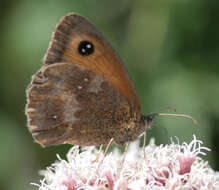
(149, 119)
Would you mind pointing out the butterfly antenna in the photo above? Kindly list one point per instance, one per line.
(150, 118)
(171, 108)
(179, 115)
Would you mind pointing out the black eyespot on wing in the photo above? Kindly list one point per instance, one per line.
(85, 48)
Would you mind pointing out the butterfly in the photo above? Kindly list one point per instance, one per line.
(83, 94)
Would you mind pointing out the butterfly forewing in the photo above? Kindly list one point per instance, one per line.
(84, 99)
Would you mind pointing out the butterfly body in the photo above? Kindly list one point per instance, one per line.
(82, 94)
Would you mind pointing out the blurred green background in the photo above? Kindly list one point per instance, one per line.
(171, 50)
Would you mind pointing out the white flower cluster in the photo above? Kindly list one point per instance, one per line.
(164, 167)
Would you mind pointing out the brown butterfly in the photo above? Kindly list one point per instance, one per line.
(83, 94)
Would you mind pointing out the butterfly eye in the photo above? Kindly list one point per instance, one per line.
(85, 48)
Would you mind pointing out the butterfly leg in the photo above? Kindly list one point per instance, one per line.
(144, 144)
(99, 153)
(105, 152)
(100, 150)
(123, 158)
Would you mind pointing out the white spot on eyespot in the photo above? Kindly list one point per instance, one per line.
(86, 80)
(79, 87)
(54, 116)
